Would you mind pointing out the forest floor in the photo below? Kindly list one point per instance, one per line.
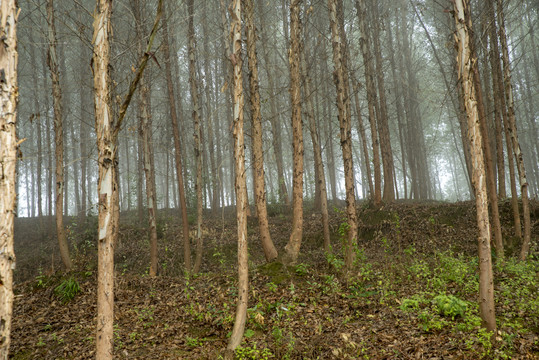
(412, 295)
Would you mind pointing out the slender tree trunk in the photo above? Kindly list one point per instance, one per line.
(59, 138)
(74, 157)
(499, 98)
(198, 130)
(211, 115)
(398, 103)
(48, 140)
(383, 125)
(364, 43)
(37, 118)
(177, 146)
(512, 128)
(317, 151)
(107, 188)
(148, 160)
(107, 131)
(340, 60)
(466, 62)
(84, 119)
(274, 114)
(491, 184)
(363, 135)
(270, 251)
(294, 243)
(241, 191)
(8, 158)
(140, 173)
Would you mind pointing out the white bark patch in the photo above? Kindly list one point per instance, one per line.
(106, 189)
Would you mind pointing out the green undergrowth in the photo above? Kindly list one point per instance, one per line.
(447, 287)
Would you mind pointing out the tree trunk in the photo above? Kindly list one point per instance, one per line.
(400, 111)
(499, 98)
(58, 138)
(294, 243)
(107, 131)
(489, 171)
(36, 116)
(512, 129)
(317, 151)
(466, 61)
(8, 159)
(364, 43)
(270, 252)
(340, 78)
(274, 114)
(107, 188)
(49, 142)
(198, 131)
(383, 125)
(241, 191)
(177, 146)
(84, 110)
(148, 160)
(363, 135)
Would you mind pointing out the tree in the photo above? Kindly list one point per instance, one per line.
(364, 44)
(343, 105)
(193, 87)
(512, 129)
(107, 189)
(107, 130)
(177, 145)
(383, 126)
(147, 146)
(274, 114)
(294, 243)
(317, 150)
(240, 187)
(466, 62)
(8, 157)
(258, 166)
(58, 137)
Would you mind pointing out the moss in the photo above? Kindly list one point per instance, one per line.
(277, 271)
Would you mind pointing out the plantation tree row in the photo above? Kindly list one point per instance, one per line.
(380, 100)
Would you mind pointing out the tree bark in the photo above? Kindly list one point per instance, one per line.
(270, 252)
(383, 125)
(466, 62)
(58, 138)
(36, 116)
(107, 188)
(363, 135)
(241, 191)
(9, 14)
(499, 99)
(512, 129)
(198, 131)
(107, 131)
(274, 114)
(364, 43)
(317, 151)
(177, 145)
(83, 56)
(338, 40)
(145, 121)
(211, 116)
(489, 171)
(294, 243)
(398, 104)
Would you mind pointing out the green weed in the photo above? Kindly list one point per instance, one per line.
(67, 290)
